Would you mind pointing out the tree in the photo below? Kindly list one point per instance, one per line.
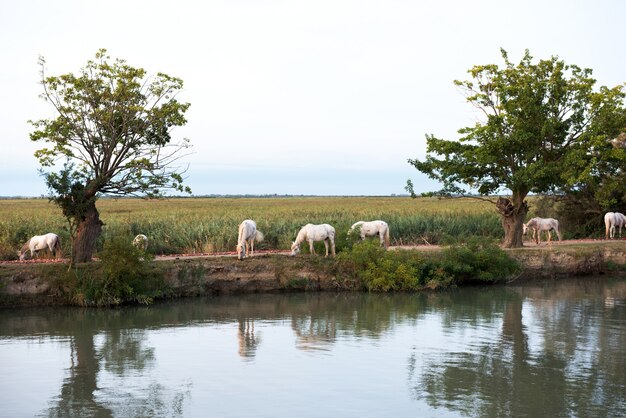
(544, 127)
(601, 188)
(113, 135)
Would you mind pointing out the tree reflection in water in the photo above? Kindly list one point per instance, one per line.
(122, 351)
(573, 370)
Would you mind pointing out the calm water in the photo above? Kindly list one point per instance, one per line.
(553, 349)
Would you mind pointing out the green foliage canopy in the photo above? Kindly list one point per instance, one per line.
(544, 129)
(113, 130)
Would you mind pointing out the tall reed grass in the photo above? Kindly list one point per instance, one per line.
(201, 225)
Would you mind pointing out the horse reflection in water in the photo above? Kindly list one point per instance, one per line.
(314, 333)
(248, 342)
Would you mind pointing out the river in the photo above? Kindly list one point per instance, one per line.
(553, 349)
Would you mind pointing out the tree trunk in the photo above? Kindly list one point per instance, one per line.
(513, 213)
(87, 232)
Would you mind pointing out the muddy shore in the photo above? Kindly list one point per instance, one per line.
(35, 283)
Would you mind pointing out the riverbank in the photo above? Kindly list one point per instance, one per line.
(42, 284)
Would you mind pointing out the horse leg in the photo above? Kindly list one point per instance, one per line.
(326, 246)
(311, 248)
(549, 232)
(332, 246)
(251, 247)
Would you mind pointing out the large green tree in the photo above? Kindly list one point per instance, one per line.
(543, 128)
(111, 135)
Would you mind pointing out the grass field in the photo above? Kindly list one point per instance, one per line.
(201, 225)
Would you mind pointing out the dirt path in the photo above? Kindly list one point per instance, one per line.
(528, 245)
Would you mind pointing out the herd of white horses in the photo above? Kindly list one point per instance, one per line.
(248, 234)
(311, 233)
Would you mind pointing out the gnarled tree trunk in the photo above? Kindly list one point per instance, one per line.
(87, 232)
(513, 212)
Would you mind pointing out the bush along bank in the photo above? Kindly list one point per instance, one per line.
(125, 274)
(479, 260)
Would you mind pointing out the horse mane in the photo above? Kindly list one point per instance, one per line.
(25, 247)
(240, 234)
(302, 234)
(354, 225)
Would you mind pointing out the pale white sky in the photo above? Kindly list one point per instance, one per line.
(296, 97)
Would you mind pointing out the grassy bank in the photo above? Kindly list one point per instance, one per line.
(125, 276)
(202, 225)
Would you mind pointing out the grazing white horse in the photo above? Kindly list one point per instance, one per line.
(41, 242)
(311, 233)
(539, 225)
(372, 228)
(612, 220)
(247, 235)
(141, 242)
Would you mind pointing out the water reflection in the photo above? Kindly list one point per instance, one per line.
(550, 350)
(574, 368)
(248, 341)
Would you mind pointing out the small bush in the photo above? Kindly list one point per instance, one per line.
(383, 271)
(7, 252)
(125, 274)
(480, 260)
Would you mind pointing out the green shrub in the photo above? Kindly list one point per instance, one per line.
(124, 274)
(383, 271)
(479, 260)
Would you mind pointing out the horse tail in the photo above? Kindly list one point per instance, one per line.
(58, 251)
(259, 236)
(387, 237)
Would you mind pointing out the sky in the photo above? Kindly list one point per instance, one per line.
(296, 97)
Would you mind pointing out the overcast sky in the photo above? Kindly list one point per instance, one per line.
(296, 97)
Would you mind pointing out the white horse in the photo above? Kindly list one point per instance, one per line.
(612, 220)
(372, 228)
(40, 242)
(141, 242)
(311, 233)
(539, 225)
(247, 235)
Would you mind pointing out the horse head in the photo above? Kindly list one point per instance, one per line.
(241, 251)
(295, 249)
(524, 229)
